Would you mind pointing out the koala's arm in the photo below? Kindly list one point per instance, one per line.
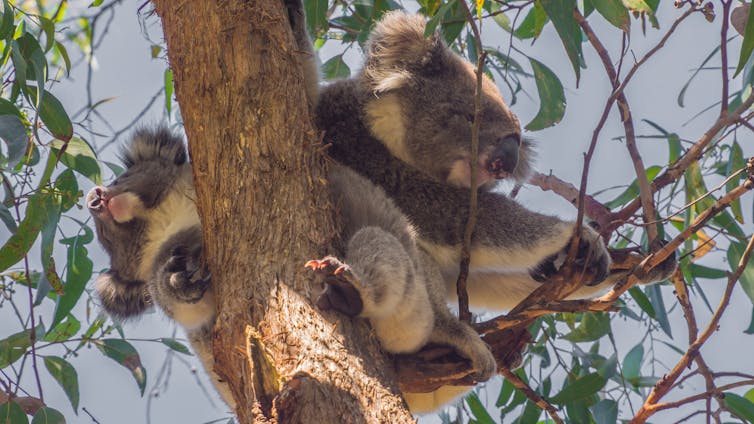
(122, 298)
(181, 283)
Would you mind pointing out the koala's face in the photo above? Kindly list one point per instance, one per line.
(420, 104)
(123, 209)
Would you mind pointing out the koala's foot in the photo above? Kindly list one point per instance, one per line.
(340, 286)
(592, 259)
(184, 279)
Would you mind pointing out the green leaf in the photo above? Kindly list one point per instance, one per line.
(48, 27)
(661, 314)
(12, 413)
(14, 134)
(176, 345)
(54, 116)
(63, 331)
(632, 192)
(80, 157)
(701, 271)
(46, 415)
(38, 210)
(605, 411)
(561, 14)
(477, 409)
(530, 414)
(533, 23)
(615, 13)
(123, 353)
(64, 373)
(682, 93)
(740, 406)
(747, 45)
(168, 90)
(6, 26)
(316, 16)
(506, 391)
(580, 388)
(14, 347)
(632, 362)
(593, 326)
(64, 54)
(501, 19)
(78, 273)
(96, 3)
(335, 68)
(735, 252)
(34, 59)
(750, 330)
(552, 103)
(642, 300)
(735, 162)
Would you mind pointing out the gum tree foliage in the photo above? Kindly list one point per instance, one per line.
(571, 370)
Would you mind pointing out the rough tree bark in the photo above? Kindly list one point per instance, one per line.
(262, 197)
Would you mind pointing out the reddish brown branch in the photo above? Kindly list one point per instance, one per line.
(532, 395)
(664, 385)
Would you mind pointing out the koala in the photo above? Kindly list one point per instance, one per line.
(404, 122)
(147, 222)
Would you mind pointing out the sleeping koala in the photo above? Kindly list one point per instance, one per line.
(147, 222)
(404, 122)
(410, 134)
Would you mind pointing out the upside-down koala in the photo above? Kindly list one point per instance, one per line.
(147, 222)
(404, 122)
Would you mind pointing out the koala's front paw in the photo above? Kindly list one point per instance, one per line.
(340, 286)
(592, 259)
(184, 279)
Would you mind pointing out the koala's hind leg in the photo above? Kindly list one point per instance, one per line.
(379, 281)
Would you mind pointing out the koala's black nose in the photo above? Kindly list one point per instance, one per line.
(95, 198)
(504, 158)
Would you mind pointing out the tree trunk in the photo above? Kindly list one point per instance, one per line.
(262, 197)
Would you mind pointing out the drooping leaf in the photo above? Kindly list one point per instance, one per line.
(316, 16)
(14, 346)
(735, 162)
(336, 68)
(735, 252)
(552, 103)
(47, 415)
(747, 45)
(54, 116)
(530, 414)
(750, 330)
(506, 391)
(701, 271)
(682, 93)
(14, 134)
(64, 373)
(12, 413)
(175, 345)
(78, 273)
(605, 412)
(642, 300)
(593, 326)
(80, 157)
(478, 410)
(632, 362)
(168, 90)
(580, 388)
(533, 23)
(41, 205)
(615, 13)
(63, 331)
(740, 406)
(560, 13)
(123, 353)
(6, 25)
(661, 314)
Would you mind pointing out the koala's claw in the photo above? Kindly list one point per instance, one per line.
(185, 282)
(485, 366)
(340, 286)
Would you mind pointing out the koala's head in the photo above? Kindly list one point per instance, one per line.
(419, 98)
(154, 160)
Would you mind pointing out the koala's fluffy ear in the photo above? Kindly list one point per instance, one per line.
(397, 49)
